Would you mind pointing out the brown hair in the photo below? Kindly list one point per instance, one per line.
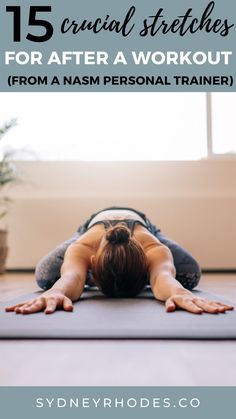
(120, 266)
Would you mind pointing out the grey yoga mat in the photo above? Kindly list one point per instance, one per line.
(96, 317)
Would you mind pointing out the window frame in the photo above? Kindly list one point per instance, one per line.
(210, 153)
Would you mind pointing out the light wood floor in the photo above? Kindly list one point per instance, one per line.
(117, 363)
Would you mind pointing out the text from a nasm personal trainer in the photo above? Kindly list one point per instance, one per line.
(135, 81)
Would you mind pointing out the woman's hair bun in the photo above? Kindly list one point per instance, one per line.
(119, 234)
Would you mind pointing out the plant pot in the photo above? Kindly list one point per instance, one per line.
(3, 250)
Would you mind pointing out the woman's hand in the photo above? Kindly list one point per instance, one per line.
(196, 305)
(48, 302)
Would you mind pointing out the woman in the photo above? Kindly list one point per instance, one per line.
(118, 250)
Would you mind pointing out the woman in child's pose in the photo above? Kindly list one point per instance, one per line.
(119, 250)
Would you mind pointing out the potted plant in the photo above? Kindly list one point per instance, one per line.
(8, 176)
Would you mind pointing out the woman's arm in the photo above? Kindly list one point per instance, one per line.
(68, 288)
(74, 271)
(166, 288)
(162, 272)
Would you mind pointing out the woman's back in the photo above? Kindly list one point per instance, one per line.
(116, 214)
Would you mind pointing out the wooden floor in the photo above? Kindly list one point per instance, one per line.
(144, 363)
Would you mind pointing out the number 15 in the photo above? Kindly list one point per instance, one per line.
(33, 21)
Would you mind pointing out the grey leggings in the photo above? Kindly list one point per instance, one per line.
(188, 271)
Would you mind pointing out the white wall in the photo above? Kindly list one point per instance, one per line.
(193, 202)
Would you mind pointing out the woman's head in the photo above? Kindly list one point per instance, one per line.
(119, 266)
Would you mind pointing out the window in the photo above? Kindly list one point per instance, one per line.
(107, 126)
(120, 126)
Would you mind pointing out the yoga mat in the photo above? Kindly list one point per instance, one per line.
(97, 317)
